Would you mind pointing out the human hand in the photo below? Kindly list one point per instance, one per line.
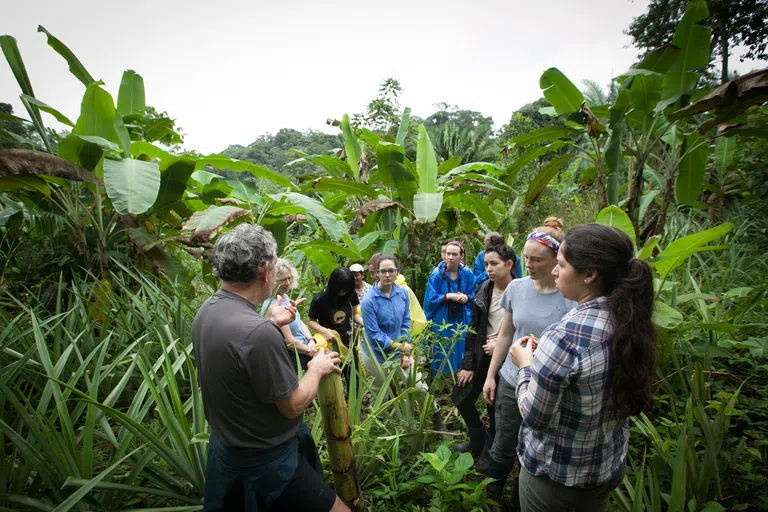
(284, 315)
(325, 362)
(522, 352)
(489, 347)
(464, 377)
(463, 298)
(489, 390)
(311, 348)
(406, 348)
(328, 335)
(406, 362)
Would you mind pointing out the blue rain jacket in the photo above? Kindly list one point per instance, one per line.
(436, 309)
(386, 319)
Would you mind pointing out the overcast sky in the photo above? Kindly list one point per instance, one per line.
(230, 71)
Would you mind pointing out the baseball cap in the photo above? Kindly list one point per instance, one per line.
(357, 268)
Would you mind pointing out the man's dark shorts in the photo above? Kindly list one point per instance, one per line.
(306, 491)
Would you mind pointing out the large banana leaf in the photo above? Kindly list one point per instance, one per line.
(543, 177)
(565, 97)
(132, 185)
(334, 227)
(615, 216)
(394, 174)
(98, 117)
(335, 166)
(47, 108)
(75, 66)
(693, 166)
(681, 249)
(426, 164)
(427, 206)
(350, 187)
(131, 97)
(694, 41)
(514, 168)
(258, 171)
(546, 134)
(402, 129)
(351, 147)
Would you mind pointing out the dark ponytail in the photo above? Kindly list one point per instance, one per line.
(628, 284)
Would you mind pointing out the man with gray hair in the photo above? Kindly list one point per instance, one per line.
(260, 454)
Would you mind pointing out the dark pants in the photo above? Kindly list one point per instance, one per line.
(286, 477)
(465, 398)
(508, 421)
(540, 494)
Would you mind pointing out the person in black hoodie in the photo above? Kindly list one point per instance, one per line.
(487, 315)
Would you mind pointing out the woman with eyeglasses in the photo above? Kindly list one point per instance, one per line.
(296, 334)
(448, 304)
(387, 319)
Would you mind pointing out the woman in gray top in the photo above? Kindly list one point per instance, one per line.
(530, 305)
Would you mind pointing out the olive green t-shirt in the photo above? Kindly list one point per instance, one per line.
(244, 368)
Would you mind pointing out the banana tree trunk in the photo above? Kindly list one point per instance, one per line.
(338, 436)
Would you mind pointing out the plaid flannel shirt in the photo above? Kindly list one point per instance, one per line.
(569, 432)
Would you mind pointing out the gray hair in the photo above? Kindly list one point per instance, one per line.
(285, 265)
(240, 253)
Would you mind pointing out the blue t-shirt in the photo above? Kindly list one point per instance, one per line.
(295, 326)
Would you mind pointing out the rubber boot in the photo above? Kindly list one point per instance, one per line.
(494, 490)
(475, 444)
(483, 461)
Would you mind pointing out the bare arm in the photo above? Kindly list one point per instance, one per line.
(503, 342)
(358, 319)
(315, 326)
(323, 364)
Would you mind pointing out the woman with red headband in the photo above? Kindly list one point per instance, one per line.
(530, 305)
(448, 304)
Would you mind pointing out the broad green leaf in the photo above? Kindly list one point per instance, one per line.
(351, 147)
(394, 174)
(335, 166)
(619, 107)
(644, 93)
(614, 157)
(546, 134)
(247, 191)
(222, 162)
(328, 246)
(471, 168)
(449, 165)
(131, 97)
(279, 229)
(46, 108)
(681, 249)
(560, 92)
(694, 42)
(660, 59)
(645, 202)
(666, 316)
(97, 115)
(25, 182)
(427, 206)
(615, 216)
(174, 174)
(368, 239)
(16, 63)
(334, 227)
(370, 138)
(726, 146)
(213, 219)
(141, 147)
(353, 188)
(402, 129)
(514, 168)
(86, 151)
(75, 66)
(647, 250)
(325, 261)
(132, 185)
(543, 177)
(476, 204)
(426, 163)
(612, 185)
(693, 166)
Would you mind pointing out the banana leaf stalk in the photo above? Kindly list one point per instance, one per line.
(338, 434)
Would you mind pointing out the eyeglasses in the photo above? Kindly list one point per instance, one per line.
(387, 271)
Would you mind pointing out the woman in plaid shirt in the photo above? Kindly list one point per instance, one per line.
(590, 372)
